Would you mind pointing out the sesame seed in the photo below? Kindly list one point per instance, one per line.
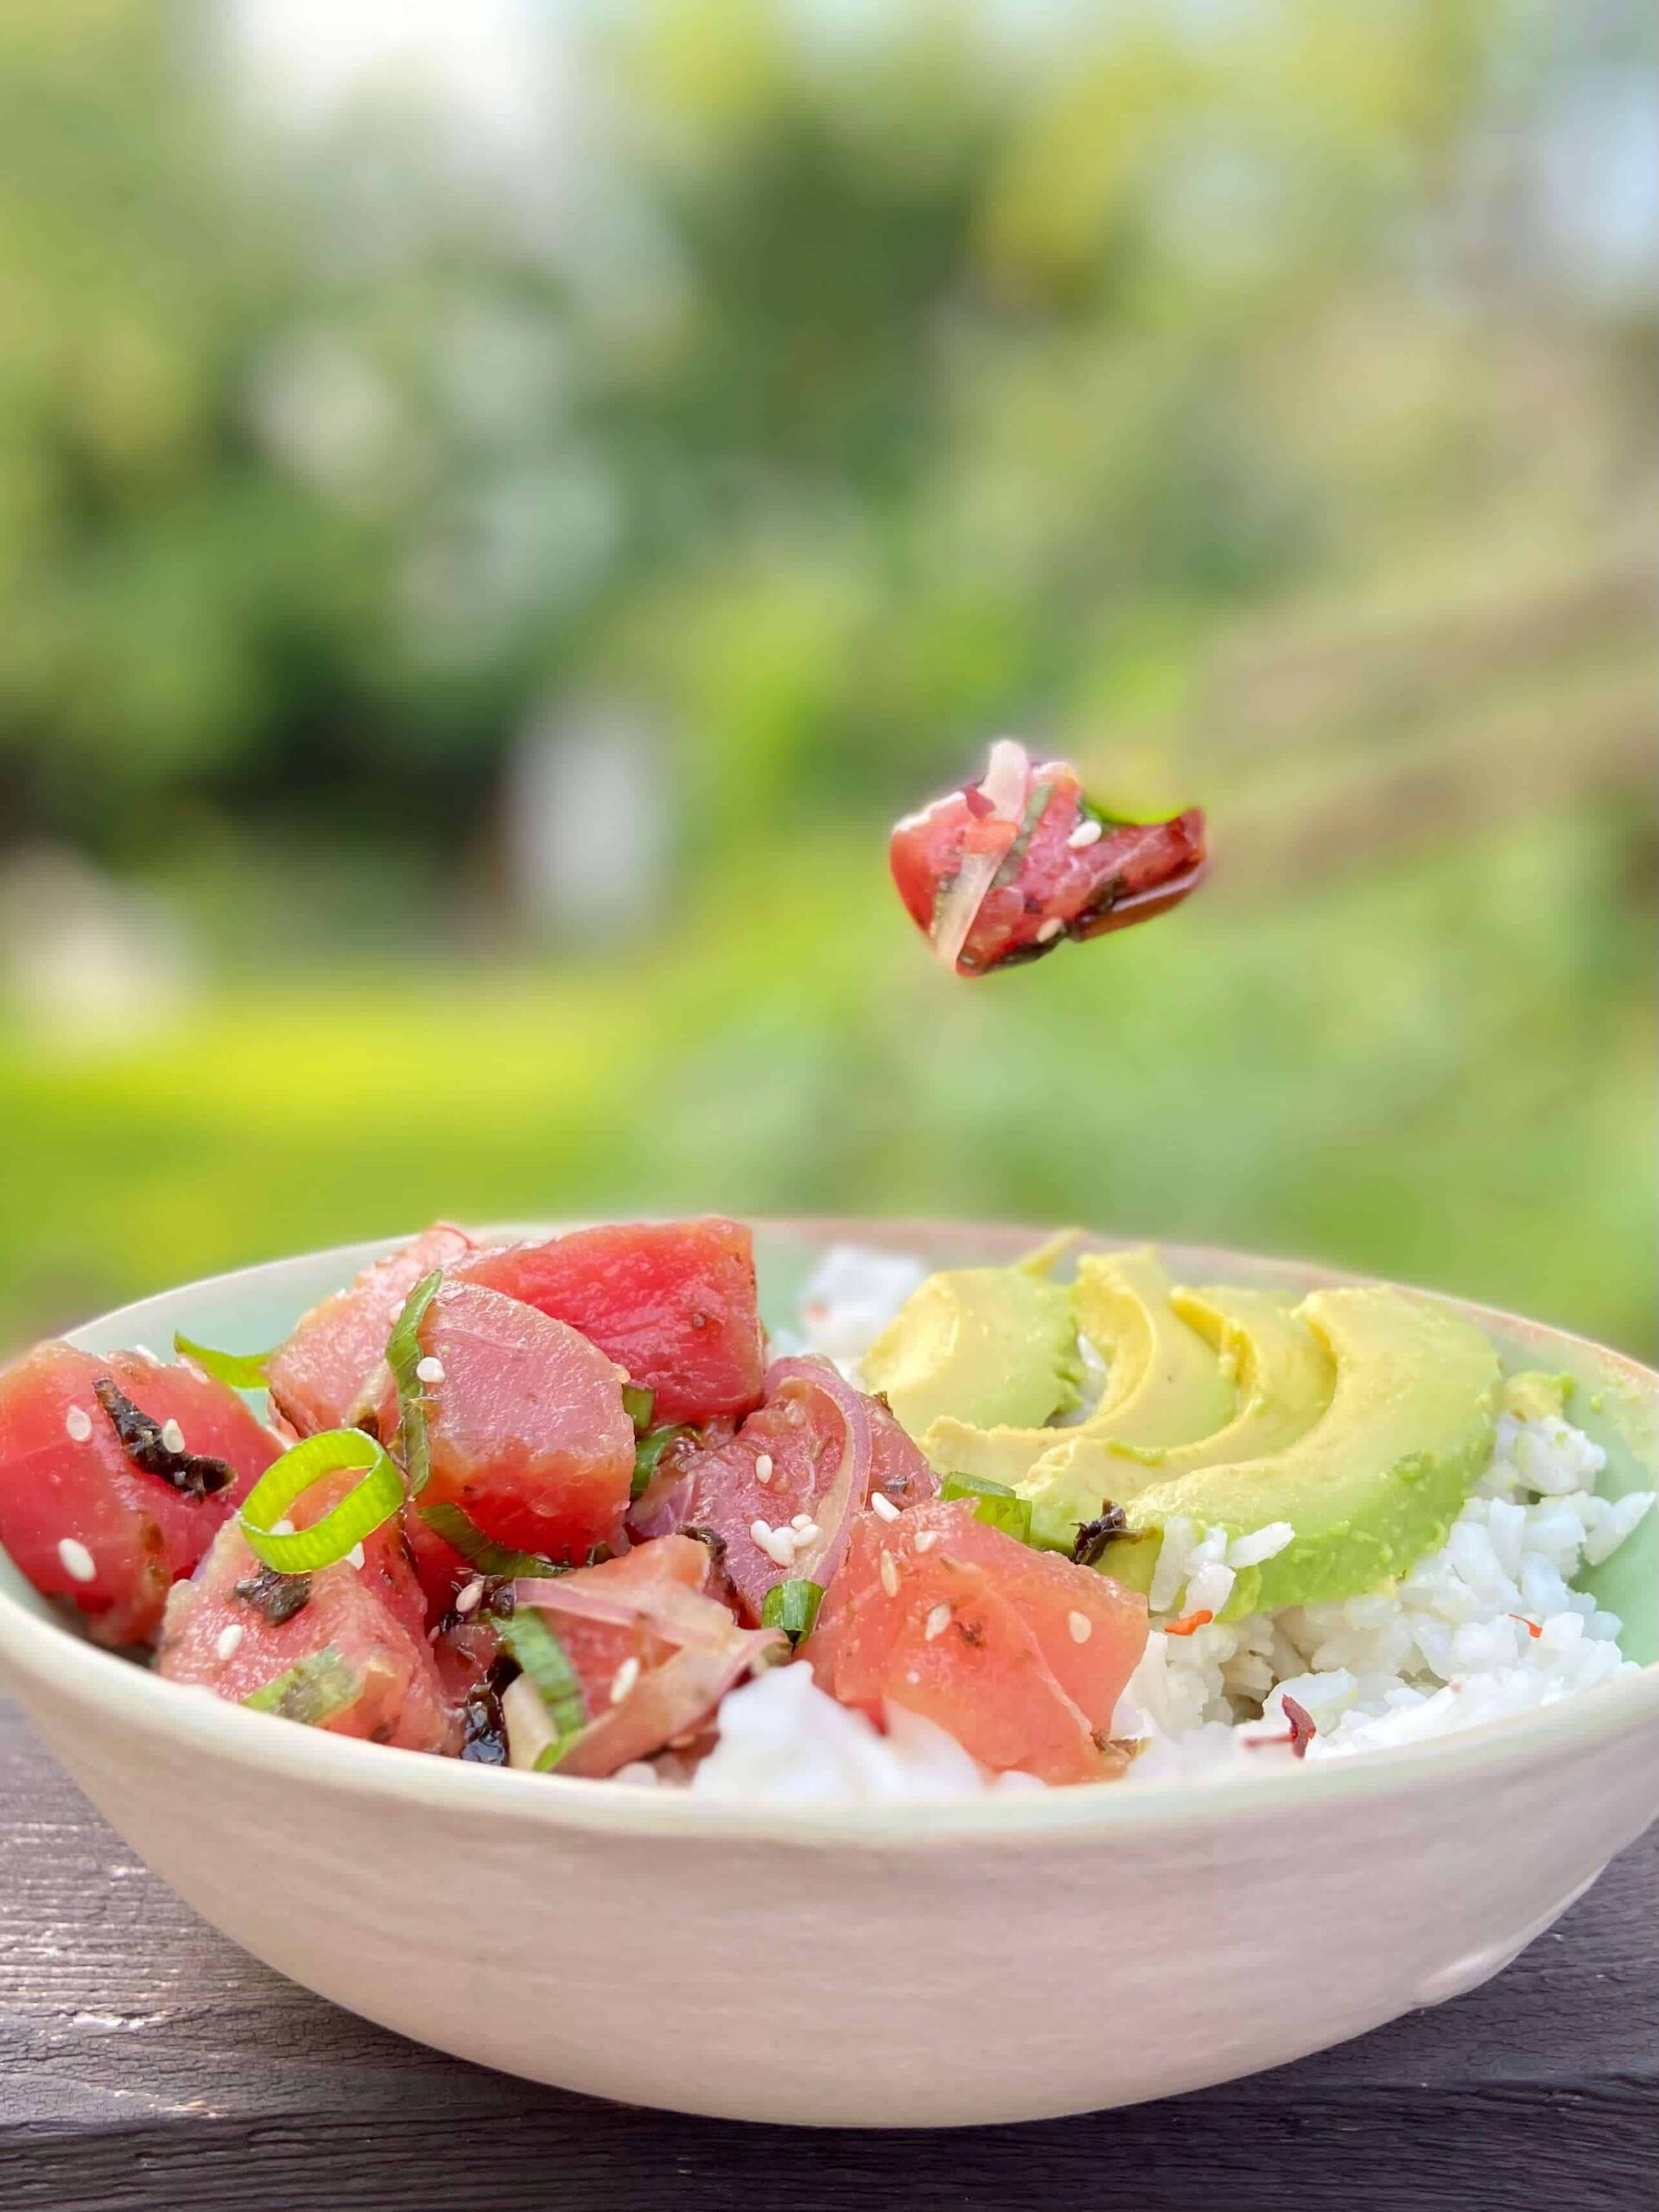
(172, 1436)
(229, 1637)
(1050, 930)
(624, 1680)
(763, 1469)
(283, 1527)
(890, 1574)
(430, 1370)
(78, 1562)
(468, 1600)
(1087, 833)
(912, 1677)
(882, 1506)
(778, 1544)
(354, 1557)
(808, 1535)
(938, 1621)
(800, 1521)
(78, 1423)
(1081, 1626)
(926, 1540)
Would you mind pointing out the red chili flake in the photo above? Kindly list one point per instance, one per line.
(1533, 1628)
(1302, 1731)
(1191, 1623)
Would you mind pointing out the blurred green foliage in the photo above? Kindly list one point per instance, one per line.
(1247, 401)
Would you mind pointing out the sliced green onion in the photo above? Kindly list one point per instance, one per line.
(313, 1690)
(1036, 807)
(637, 1403)
(973, 1486)
(542, 1655)
(995, 1504)
(243, 1371)
(359, 1513)
(793, 1607)
(649, 1450)
(403, 1357)
(457, 1527)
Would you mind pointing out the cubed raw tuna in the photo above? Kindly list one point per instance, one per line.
(526, 1429)
(79, 1517)
(1006, 869)
(332, 1365)
(1019, 1654)
(673, 1302)
(343, 1648)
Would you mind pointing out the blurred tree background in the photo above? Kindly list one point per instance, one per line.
(500, 505)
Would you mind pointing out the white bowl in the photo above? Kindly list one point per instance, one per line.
(1001, 1958)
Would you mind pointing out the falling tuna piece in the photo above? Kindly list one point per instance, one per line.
(1004, 870)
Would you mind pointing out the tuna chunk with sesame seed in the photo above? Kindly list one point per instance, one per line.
(79, 1517)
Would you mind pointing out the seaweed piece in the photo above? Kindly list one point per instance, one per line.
(484, 1732)
(276, 1595)
(1110, 1523)
(144, 1441)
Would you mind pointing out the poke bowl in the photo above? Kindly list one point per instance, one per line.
(905, 1930)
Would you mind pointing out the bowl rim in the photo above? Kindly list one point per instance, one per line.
(67, 1666)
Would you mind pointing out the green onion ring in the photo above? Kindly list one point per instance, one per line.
(995, 1504)
(793, 1607)
(403, 1357)
(364, 1509)
(243, 1371)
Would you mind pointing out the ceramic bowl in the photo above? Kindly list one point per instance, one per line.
(1004, 1958)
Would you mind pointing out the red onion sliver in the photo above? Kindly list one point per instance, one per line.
(1005, 784)
(848, 1494)
(668, 1701)
(671, 1612)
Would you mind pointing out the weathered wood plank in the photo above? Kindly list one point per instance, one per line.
(146, 2063)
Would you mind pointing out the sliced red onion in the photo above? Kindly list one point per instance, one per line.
(1005, 784)
(847, 1493)
(661, 1510)
(668, 1701)
(672, 1611)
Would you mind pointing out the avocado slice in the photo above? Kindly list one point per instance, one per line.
(1286, 1378)
(992, 1344)
(1535, 1396)
(1166, 1385)
(1373, 1483)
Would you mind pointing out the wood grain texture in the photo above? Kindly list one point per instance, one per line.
(146, 2065)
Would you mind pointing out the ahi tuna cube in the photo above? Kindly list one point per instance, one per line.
(79, 1517)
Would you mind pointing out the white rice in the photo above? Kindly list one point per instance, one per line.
(1446, 1648)
(852, 1295)
(782, 1739)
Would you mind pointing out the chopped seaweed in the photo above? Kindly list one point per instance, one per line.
(144, 1442)
(277, 1596)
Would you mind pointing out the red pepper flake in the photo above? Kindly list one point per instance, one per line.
(1533, 1628)
(1190, 1623)
(1302, 1731)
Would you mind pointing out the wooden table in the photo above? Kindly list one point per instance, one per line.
(147, 2065)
